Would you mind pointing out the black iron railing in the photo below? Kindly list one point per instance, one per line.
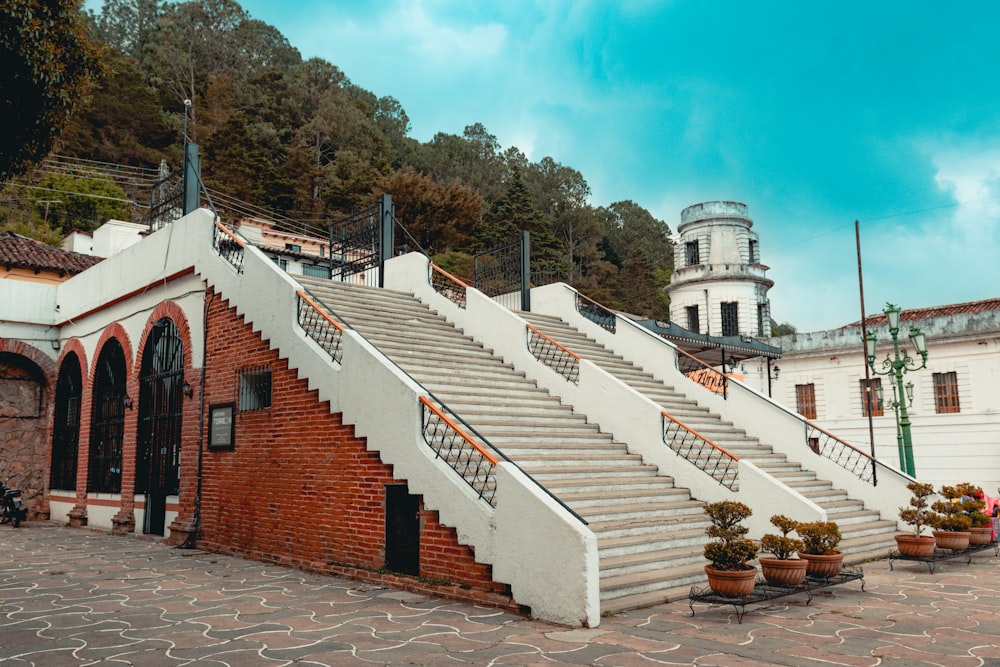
(499, 273)
(700, 372)
(596, 313)
(452, 444)
(166, 201)
(448, 286)
(553, 355)
(700, 451)
(316, 321)
(228, 245)
(848, 457)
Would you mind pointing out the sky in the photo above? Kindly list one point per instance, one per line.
(814, 114)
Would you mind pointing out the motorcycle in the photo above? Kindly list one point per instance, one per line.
(12, 509)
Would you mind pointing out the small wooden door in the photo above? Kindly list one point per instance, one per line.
(402, 530)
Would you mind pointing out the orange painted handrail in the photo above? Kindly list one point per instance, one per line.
(230, 234)
(552, 342)
(451, 424)
(695, 433)
(325, 315)
(437, 268)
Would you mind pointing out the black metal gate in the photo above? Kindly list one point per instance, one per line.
(402, 530)
(66, 425)
(504, 274)
(361, 244)
(161, 403)
(107, 423)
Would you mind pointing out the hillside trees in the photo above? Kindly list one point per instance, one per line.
(299, 138)
(49, 64)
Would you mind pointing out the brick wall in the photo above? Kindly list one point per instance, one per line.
(300, 489)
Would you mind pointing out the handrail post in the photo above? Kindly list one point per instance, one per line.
(526, 271)
(387, 230)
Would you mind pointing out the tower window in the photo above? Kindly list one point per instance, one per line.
(691, 253)
(753, 251)
(730, 319)
(692, 316)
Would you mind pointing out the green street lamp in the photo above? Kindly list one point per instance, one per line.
(896, 366)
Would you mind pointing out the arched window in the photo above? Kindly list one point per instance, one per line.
(161, 403)
(107, 420)
(66, 426)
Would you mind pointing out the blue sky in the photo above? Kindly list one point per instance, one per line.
(814, 114)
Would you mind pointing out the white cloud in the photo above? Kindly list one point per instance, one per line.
(433, 38)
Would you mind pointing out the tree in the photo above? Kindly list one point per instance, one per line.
(125, 25)
(80, 203)
(783, 329)
(49, 64)
(440, 216)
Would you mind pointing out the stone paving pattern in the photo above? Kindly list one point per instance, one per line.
(83, 597)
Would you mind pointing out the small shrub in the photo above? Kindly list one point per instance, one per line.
(782, 546)
(820, 537)
(731, 549)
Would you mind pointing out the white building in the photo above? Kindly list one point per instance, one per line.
(955, 412)
(719, 289)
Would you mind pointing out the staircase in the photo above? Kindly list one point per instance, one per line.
(650, 533)
(865, 534)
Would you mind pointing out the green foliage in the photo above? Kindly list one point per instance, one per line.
(80, 203)
(782, 546)
(783, 329)
(961, 510)
(820, 537)
(48, 66)
(917, 514)
(731, 549)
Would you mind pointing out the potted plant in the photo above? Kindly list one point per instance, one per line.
(821, 539)
(729, 574)
(952, 522)
(972, 501)
(782, 569)
(920, 516)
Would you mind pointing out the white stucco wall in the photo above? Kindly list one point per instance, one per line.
(947, 448)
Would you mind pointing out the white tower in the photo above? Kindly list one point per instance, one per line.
(718, 286)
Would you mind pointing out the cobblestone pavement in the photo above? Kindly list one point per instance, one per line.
(82, 597)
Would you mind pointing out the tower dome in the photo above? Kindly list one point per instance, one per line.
(718, 286)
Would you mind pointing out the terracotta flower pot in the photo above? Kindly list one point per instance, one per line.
(956, 540)
(982, 535)
(786, 573)
(823, 566)
(915, 547)
(732, 583)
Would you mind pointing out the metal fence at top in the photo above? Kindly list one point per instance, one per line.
(361, 244)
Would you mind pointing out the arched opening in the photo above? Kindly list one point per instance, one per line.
(161, 403)
(66, 424)
(107, 422)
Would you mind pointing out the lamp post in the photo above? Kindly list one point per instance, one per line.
(895, 366)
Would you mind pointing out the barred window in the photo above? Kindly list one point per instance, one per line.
(255, 388)
(869, 397)
(730, 319)
(691, 253)
(693, 321)
(805, 400)
(946, 392)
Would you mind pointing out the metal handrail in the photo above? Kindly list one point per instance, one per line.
(560, 359)
(468, 459)
(445, 284)
(320, 325)
(698, 371)
(855, 461)
(707, 456)
(229, 246)
(600, 315)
